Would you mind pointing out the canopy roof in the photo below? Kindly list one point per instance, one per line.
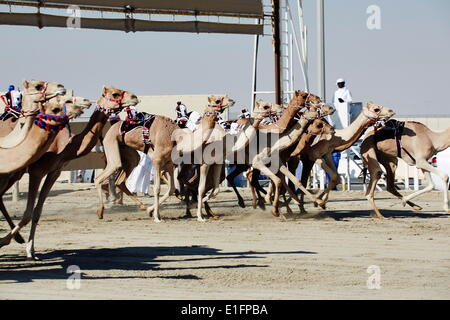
(226, 8)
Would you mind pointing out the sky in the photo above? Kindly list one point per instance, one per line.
(404, 65)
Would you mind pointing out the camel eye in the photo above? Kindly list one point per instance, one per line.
(116, 95)
(377, 110)
(38, 87)
(217, 101)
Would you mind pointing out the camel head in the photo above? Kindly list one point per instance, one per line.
(324, 109)
(36, 92)
(113, 100)
(219, 103)
(320, 126)
(376, 112)
(263, 109)
(74, 106)
(302, 98)
(310, 114)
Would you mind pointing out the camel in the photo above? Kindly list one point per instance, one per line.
(247, 133)
(38, 137)
(416, 145)
(286, 120)
(52, 163)
(320, 151)
(317, 128)
(158, 142)
(74, 107)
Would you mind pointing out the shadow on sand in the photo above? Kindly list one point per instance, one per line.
(53, 264)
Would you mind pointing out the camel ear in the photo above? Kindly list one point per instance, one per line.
(104, 89)
(297, 93)
(25, 84)
(257, 104)
(210, 98)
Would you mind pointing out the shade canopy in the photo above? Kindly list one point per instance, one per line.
(237, 8)
(227, 8)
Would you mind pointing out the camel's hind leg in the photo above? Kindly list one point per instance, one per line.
(427, 170)
(230, 178)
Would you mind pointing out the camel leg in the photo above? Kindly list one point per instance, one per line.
(427, 169)
(230, 178)
(390, 164)
(204, 168)
(294, 179)
(113, 164)
(33, 189)
(46, 187)
(252, 188)
(375, 175)
(327, 164)
(170, 191)
(258, 189)
(276, 180)
(156, 190)
(306, 172)
(123, 188)
(17, 237)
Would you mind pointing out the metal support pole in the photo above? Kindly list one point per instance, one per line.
(321, 49)
(255, 68)
(277, 49)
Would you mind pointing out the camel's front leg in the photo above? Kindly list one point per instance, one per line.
(294, 179)
(33, 189)
(156, 190)
(204, 168)
(171, 184)
(48, 184)
(327, 164)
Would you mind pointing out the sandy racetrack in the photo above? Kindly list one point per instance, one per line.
(247, 254)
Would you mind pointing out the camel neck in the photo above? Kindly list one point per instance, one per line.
(30, 150)
(82, 143)
(284, 122)
(345, 138)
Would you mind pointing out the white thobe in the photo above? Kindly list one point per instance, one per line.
(140, 177)
(341, 118)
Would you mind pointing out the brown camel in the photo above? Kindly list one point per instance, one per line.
(213, 173)
(163, 135)
(416, 145)
(74, 107)
(52, 163)
(286, 120)
(315, 129)
(320, 151)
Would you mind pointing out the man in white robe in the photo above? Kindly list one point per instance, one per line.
(342, 98)
(140, 177)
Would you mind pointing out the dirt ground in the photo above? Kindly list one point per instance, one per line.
(246, 254)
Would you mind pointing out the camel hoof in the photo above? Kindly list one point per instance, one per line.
(275, 213)
(150, 210)
(201, 220)
(377, 215)
(241, 203)
(262, 204)
(100, 213)
(5, 241)
(18, 238)
(254, 205)
(416, 207)
(142, 207)
(213, 218)
(157, 220)
(320, 203)
(32, 258)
